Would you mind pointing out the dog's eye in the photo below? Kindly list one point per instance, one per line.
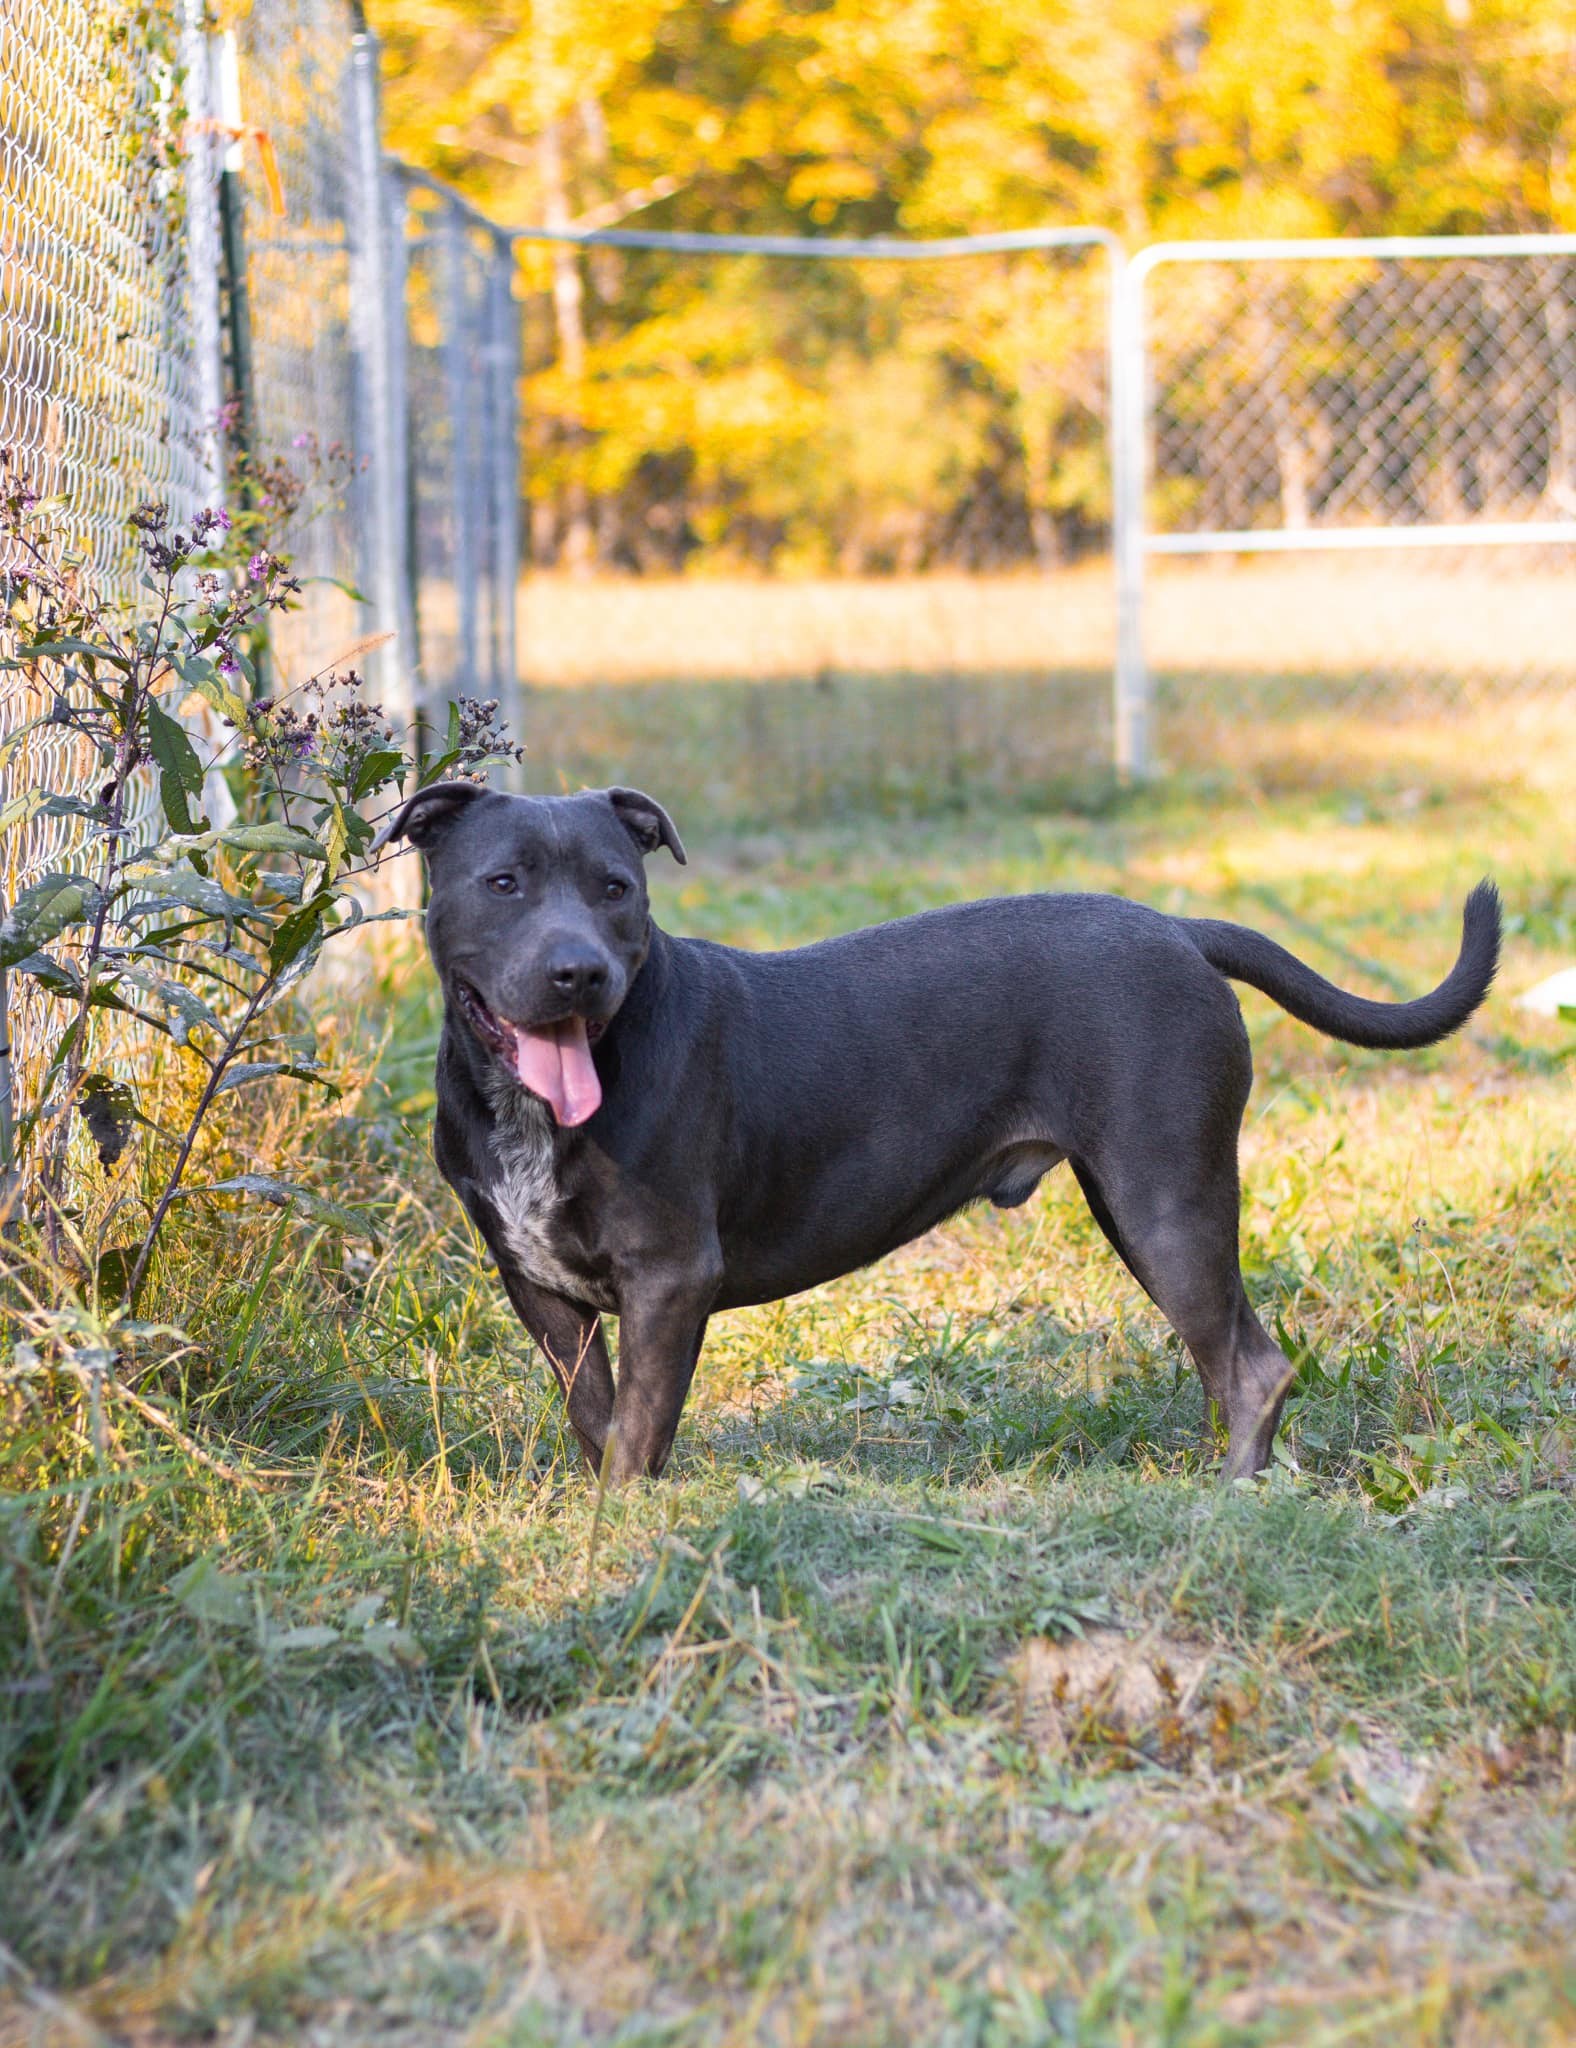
(503, 885)
(615, 890)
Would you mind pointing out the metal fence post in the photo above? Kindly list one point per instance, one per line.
(457, 369)
(204, 255)
(501, 455)
(1133, 704)
(405, 616)
(236, 296)
(377, 397)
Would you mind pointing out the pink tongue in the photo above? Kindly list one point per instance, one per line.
(555, 1063)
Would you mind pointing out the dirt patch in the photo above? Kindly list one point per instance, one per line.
(1143, 1690)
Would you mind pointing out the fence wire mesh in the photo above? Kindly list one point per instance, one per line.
(810, 532)
(293, 74)
(98, 382)
(100, 385)
(1419, 410)
(461, 371)
(123, 136)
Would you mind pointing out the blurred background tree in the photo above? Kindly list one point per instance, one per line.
(744, 413)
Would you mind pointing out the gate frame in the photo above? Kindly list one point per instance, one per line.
(1132, 425)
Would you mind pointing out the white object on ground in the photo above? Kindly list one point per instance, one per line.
(1551, 996)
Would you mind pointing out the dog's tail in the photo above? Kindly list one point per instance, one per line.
(1248, 956)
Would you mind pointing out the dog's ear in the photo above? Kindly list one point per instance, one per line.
(429, 813)
(647, 823)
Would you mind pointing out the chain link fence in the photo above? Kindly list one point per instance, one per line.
(181, 220)
(101, 387)
(461, 329)
(296, 217)
(1357, 482)
(816, 526)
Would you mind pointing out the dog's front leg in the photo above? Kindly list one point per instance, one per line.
(569, 1336)
(660, 1331)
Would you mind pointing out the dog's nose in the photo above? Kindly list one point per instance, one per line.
(578, 976)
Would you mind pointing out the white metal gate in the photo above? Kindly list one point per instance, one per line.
(1407, 405)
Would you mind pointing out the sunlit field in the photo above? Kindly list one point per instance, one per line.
(1468, 612)
(940, 1694)
(796, 701)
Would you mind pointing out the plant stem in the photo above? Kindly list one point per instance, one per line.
(231, 1047)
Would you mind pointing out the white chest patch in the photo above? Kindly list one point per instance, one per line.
(525, 1191)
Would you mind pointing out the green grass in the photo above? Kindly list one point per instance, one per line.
(352, 1714)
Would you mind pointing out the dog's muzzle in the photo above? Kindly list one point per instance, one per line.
(553, 1061)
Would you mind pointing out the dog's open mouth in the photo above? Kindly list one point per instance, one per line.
(551, 1060)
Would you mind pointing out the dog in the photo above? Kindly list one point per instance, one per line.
(661, 1128)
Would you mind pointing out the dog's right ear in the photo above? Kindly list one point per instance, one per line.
(429, 813)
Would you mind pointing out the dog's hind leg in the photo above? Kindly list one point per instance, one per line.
(1175, 1226)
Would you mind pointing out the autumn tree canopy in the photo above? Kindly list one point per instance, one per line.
(685, 411)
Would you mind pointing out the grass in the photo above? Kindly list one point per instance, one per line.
(941, 1694)
(1470, 612)
(788, 699)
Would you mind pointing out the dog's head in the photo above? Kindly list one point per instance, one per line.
(538, 921)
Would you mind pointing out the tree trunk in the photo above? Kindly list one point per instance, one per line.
(569, 326)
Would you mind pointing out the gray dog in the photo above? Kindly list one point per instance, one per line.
(660, 1127)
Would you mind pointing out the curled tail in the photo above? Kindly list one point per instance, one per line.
(1248, 956)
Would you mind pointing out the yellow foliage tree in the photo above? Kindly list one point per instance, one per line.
(697, 410)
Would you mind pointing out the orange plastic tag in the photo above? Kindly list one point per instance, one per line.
(266, 155)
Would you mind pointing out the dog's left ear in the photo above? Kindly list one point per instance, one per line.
(647, 823)
(428, 811)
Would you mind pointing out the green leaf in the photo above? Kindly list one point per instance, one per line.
(358, 916)
(55, 977)
(287, 1194)
(44, 650)
(23, 809)
(42, 912)
(272, 837)
(177, 812)
(338, 583)
(213, 1595)
(391, 1644)
(72, 807)
(60, 979)
(308, 1636)
(375, 771)
(213, 689)
(338, 840)
(196, 892)
(185, 1004)
(298, 931)
(259, 1070)
(180, 771)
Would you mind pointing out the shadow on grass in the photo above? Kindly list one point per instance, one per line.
(830, 745)
(844, 743)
